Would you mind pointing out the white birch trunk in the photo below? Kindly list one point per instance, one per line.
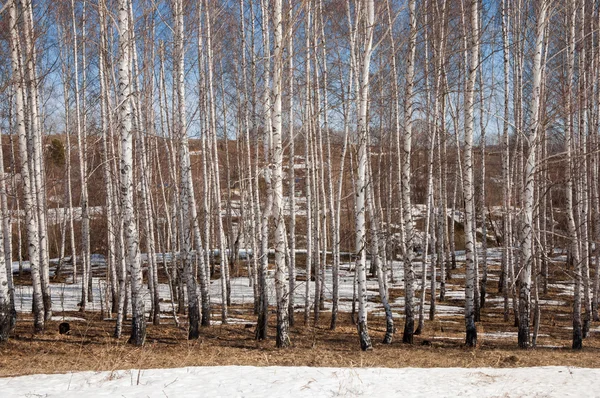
(307, 167)
(204, 263)
(440, 131)
(468, 189)
(569, 205)
(8, 315)
(582, 172)
(261, 331)
(35, 148)
(347, 89)
(506, 186)
(596, 187)
(361, 241)
(529, 188)
(30, 205)
(186, 187)
(281, 276)
(409, 273)
(248, 165)
(482, 197)
(292, 170)
(81, 137)
(106, 127)
(138, 329)
(224, 266)
(376, 257)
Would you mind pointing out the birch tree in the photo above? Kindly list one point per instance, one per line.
(82, 145)
(203, 269)
(35, 148)
(346, 91)
(408, 227)
(281, 282)
(530, 168)
(8, 315)
(185, 186)
(224, 267)
(292, 164)
(261, 327)
(30, 206)
(573, 247)
(367, 24)
(133, 261)
(468, 189)
(506, 186)
(307, 163)
(107, 132)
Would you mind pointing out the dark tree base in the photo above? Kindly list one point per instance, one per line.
(8, 320)
(523, 337)
(38, 328)
(115, 304)
(586, 327)
(263, 307)
(194, 321)
(482, 295)
(442, 292)
(291, 317)
(363, 335)
(477, 312)
(333, 324)
(138, 331)
(501, 283)
(409, 331)
(577, 338)
(261, 328)
(471, 339)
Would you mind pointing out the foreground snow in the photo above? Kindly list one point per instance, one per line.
(248, 381)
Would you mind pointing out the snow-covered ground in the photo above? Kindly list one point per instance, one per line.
(66, 296)
(248, 381)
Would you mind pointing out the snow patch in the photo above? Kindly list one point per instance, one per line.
(248, 381)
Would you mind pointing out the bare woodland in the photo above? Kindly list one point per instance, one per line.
(193, 144)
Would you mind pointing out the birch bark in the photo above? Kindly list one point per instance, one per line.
(361, 188)
(528, 193)
(30, 206)
(132, 258)
(468, 189)
(186, 187)
(574, 247)
(409, 273)
(281, 282)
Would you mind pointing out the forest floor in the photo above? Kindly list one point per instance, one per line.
(90, 346)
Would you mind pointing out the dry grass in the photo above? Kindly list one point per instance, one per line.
(92, 347)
